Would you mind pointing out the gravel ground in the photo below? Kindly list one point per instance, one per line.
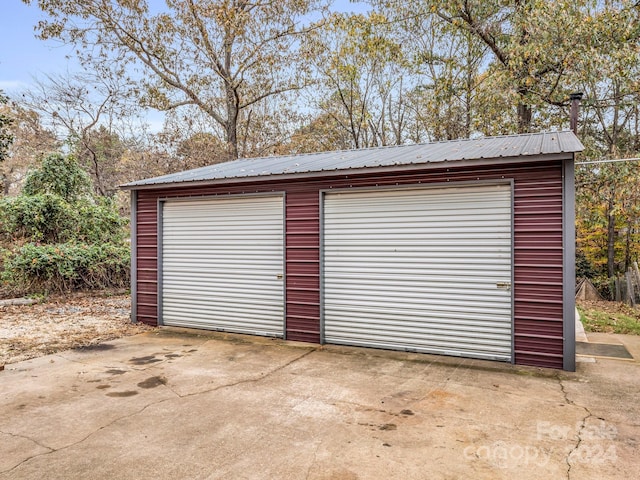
(63, 322)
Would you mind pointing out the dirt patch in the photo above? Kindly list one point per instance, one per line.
(610, 307)
(128, 393)
(153, 382)
(609, 317)
(388, 426)
(145, 360)
(98, 347)
(79, 320)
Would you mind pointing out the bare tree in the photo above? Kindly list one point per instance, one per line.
(31, 141)
(90, 112)
(359, 78)
(223, 56)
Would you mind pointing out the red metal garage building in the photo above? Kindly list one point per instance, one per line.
(459, 248)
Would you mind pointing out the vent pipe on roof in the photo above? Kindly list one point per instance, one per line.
(575, 108)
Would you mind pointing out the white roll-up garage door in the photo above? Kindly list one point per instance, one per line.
(222, 264)
(426, 270)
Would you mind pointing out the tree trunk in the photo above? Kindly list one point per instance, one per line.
(468, 90)
(627, 247)
(5, 184)
(611, 237)
(233, 112)
(467, 114)
(232, 140)
(524, 115)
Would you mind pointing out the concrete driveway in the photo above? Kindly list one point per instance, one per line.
(174, 405)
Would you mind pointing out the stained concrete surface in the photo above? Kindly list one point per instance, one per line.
(173, 405)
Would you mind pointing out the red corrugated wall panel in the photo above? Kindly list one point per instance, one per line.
(147, 259)
(303, 265)
(538, 266)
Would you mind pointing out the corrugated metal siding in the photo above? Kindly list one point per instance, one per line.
(538, 268)
(538, 325)
(420, 269)
(147, 260)
(303, 266)
(222, 264)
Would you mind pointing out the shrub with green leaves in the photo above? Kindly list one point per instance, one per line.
(48, 218)
(43, 217)
(59, 175)
(58, 236)
(67, 266)
(99, 221)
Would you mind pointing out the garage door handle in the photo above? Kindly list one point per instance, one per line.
(504, 286)
(280, 276)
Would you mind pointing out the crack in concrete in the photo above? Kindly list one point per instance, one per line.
(252, 379)
(314, 460)
(441, 385)
(17, 435)
(166, 385)
(138, 412)
(583, 425)
(53, 450)
(59, 355)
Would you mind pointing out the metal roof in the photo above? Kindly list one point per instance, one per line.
(508, 146)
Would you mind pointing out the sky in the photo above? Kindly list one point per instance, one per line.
(23, 56)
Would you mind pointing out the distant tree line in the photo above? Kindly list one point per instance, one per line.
(245, 79)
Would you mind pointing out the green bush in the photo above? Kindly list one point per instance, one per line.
(584, 268)
(604, 285)
(57, 236)
(67, 266)
(59, 175)
(43, 217)
(99, 221)
(48, 218)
